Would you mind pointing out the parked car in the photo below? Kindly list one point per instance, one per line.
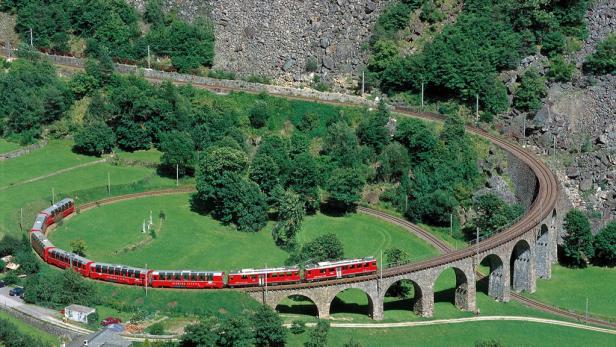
(110, 320)
(2, 284)
(17, 291)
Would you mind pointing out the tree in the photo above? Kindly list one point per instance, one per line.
(372, 130)
(605, 245)
(2, 265)
(95, 138)
(603, 61)
(76, 290)
(325, 247)
(416, 137)
(265, 172)
(153, 13)
(213, 164)
(553, 44)
(202, 334)
(341, 144)
(28, 262)
(235, 331)
(100, 66)
(396, 256)
(531, 91)
(394, 162)
(345, 187)
(178, 152)
(304, 180)
(269, 330)
(290, 216)
(258, 114)
(240, 201)
(79, 247)
(560, 70)
(318, 335)
(493, 214)
(577, 244)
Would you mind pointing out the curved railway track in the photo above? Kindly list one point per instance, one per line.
(541, 207)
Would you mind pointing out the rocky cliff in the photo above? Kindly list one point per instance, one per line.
(275, 38)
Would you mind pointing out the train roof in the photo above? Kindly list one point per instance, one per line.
(72, 255)
(262, 271)
(38, 222)
(322, 264)
(44, 240)
(190, 271)
(57, 204)
(118, 265)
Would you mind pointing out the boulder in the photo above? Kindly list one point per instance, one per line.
(288, 65)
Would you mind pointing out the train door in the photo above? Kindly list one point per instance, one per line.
(262, 279)
(339, 272)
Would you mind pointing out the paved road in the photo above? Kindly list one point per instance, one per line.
(9, 301)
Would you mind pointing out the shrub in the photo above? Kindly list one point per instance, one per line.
(603, 61)
(553, 43)
(259, 114)
(156, 329)
(298, 327)
(94, 139)
(312, 64)
(530, 92)
(560, 70)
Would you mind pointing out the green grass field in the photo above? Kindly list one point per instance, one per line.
(466, 334)
(30, 330)
(148, 156)
(186, 239)
(569, 288)
(6, 146)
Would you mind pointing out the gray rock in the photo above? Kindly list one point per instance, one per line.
(602, 139)
(328, 62)
(370, 7)
(324, 42)
(586, 184)
(573, 172)
(289, 64)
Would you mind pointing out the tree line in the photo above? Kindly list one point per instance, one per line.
(580, 248)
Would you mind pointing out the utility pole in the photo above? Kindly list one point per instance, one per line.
(381, 264)
(8, 53)
(524, 131)
(148, 56)
(451, 225)
(406, 202)
(477, 109)
(363, 83)
(31, 41)
(108, 183)
(53, 196)
(422, 95)
(177, 175)
(477, 242)
(265, 281)
(554, 144)
(146, 279)
(21, 218)
(586, 310)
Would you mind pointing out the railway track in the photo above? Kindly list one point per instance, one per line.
(541, 207)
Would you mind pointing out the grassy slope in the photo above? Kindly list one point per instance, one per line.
(30, 330)
(6, 146)
(188, 240)
(569, 288)
(466, 334)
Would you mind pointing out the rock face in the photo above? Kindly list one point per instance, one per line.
(275, 37)
(578, 120)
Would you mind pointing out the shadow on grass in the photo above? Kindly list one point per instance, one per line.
(340, 306)
(297, 304)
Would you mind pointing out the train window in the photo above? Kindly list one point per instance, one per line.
(137, 274)
(124, 272)
(210, 277)
(118, 271)
(131, 273)
(322, 271)
(186, 277)
(177, 277)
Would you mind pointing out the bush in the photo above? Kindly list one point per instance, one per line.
(553, 44)
(156, 329)
(531, 91)
(605, 245)
(560, 70)
(298, 327)
(259, 114)
(577, 244)
(312, 64)
(11, 278)
(603, 61)
(94, 139)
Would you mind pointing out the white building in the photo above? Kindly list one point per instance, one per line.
(78, 313)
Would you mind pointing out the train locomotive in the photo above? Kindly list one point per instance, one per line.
(188, 279)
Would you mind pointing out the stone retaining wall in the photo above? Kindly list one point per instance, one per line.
(22, 151)
(40, 324)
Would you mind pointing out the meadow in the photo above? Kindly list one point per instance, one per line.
(29, 330)
(184, 239)
(6, 146)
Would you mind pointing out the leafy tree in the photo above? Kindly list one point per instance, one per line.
(372, 130)
(79, 247)
(131, 136)
(603, 61)
(268, 328)
(2, 265)
(553, 44)
(341, 144)
(258, 114)
(153, 13)
(202, 334)
(345, 187)
(290, 217)
(577, 244)
(213, 164)
(605, 245)
(396, 256)
(240, 201)
(11, 278)
(416, 137)
(100, 66)
(76, 290)
(304, 180)
(178, 152)
(531, 91)
(493, 214)
(265, 172)
(29, 263)
(94, 139)
(394, 162)
(318, 335)
(309, 122)
(235, 331)
(12, 336)
(560, 70)
(325, 247)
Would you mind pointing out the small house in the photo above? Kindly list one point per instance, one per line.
(78, 313)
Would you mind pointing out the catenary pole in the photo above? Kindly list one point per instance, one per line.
(31, 40)
(177, 175)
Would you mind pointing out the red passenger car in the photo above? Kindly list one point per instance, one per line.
(64, 259)
(58, 211)
(40, 223)
(41, 244)
(118, 274)
(261, 277)
(186, 279)
(338, 269)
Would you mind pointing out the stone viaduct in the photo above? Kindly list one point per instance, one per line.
(516, 257)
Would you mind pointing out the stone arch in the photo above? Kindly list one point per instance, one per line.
(301, 307)
(371, 302)
(496, 280)
(464, 291)
(542, 251)
(417, 301)
(521, 267)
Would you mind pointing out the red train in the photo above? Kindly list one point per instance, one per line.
(182, 278)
